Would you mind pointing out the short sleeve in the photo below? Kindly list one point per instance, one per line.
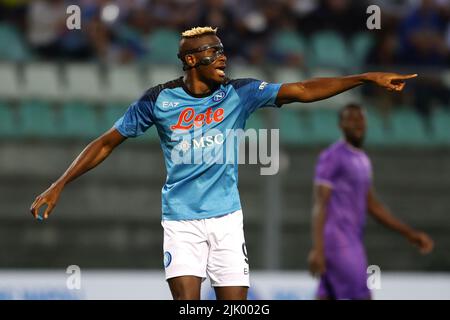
(137, 119)
(256, 94)
(326, 169)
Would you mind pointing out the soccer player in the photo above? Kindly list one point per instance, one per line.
(201, 209)
(343, 193)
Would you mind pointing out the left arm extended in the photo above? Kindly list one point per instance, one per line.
(384, 216)
(323, 88)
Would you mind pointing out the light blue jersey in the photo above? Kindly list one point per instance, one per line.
(193, 131)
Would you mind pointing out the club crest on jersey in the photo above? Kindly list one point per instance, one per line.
(219, 96)
(188, 118)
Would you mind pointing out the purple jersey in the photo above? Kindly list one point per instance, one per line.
(348, 172)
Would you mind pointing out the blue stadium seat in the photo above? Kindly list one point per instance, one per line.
(328, 49)
(407, 128)
(289, 42)
(37, 119)
(325, 125)
(295, 126)
(255, 121)
(111, 113)
(376, 134)
(7, 125)
(160, 42)
(79, 120)
(12, 46)
(441, 126)
(361, 44)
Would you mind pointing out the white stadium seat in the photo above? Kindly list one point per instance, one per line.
(242, 71)
(158, 74)
(125, 83)
(287, 75)
(42, 81)
(10, 87)
(84, 83)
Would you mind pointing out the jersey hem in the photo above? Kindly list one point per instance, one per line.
(213, 214)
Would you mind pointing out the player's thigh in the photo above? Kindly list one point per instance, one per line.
(186, 249)
(228, 264)
(185, 287)
(231, 293)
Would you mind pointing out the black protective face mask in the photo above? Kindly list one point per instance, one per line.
(205, 60)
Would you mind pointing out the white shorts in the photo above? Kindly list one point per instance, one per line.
(213, 247)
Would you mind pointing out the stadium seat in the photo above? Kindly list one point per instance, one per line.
(12, 46)
(161, 42)
(289, 42)
(295, 127)
(79, 120)
(286, 75)
(361, 44)
(7, 124)
(407, 128)
(10, 87)
(376, 134)
(325, 125)
(42, 81)
(328, 49)
(37, 119)
(255, 121)
(441, 126)
(244, 71)
(111, 113)
(158, 74)
(84, 83)
(125, 84)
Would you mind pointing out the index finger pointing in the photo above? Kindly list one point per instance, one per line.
(408, 76)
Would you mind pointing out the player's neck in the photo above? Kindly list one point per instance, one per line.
(196, 86)
(352, 146)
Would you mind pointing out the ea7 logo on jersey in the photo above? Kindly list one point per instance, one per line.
(170, 104)
(262, 85)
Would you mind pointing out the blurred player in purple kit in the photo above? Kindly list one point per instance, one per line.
(343, 193)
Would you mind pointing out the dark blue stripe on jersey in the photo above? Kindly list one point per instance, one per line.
(238, 83)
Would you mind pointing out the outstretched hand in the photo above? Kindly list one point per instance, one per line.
(390, 81)
(49, 197)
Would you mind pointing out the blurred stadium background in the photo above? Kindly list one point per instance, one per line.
(59, 88)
